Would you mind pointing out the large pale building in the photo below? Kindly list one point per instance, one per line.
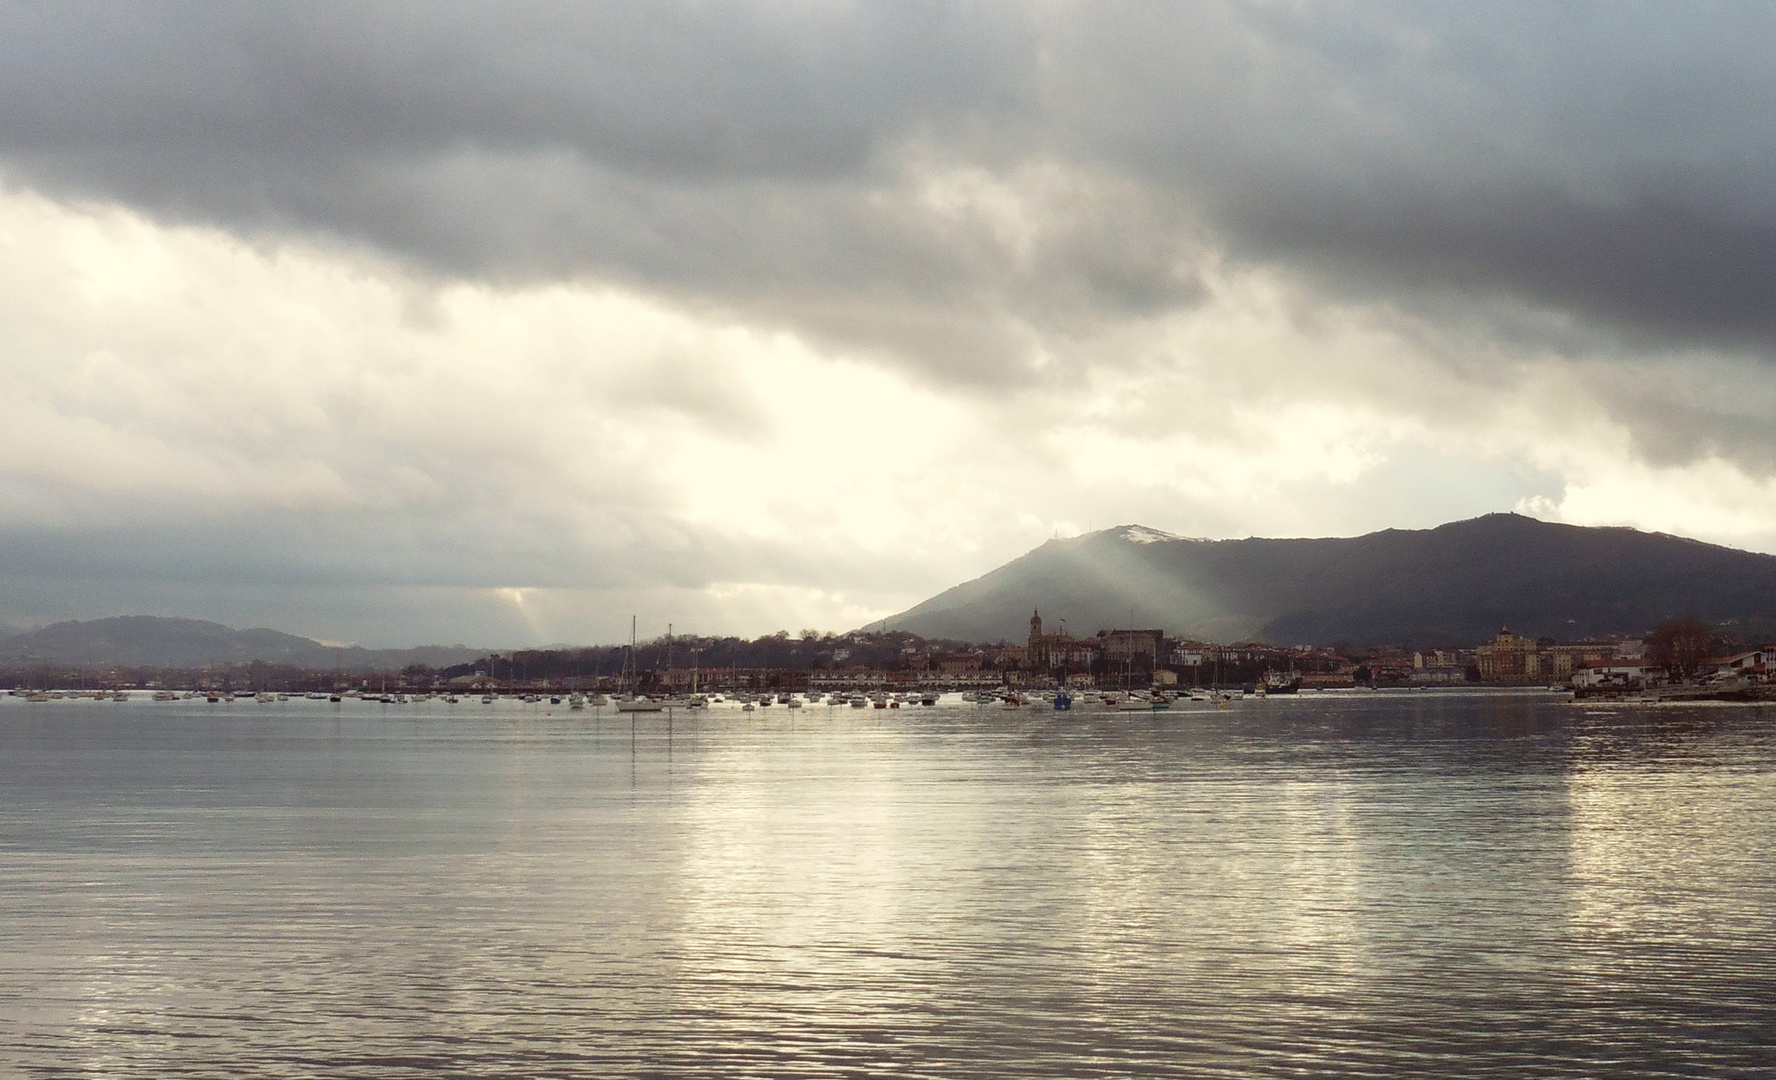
(1512, 657)
(1566, 660)
(1507, 657)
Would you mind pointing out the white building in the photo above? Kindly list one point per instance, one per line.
(1745, 665)
(1619, 673)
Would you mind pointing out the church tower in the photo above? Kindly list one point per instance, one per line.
(1038, 644)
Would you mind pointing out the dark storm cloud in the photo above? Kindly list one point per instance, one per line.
(760, 90)
(1608, 161)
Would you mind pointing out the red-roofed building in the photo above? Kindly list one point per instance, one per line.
(1745, 665)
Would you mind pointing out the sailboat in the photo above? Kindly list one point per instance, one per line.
(698, 700)
(628, 701)
(673, 698)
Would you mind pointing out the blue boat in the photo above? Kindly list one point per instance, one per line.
(1063, 701)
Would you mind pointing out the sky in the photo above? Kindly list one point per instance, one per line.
(500, 323)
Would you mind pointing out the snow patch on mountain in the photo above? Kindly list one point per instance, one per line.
(1141, 534)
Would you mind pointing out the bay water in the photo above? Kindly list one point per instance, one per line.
(1390, 884)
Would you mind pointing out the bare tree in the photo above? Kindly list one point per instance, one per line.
(1679, 645)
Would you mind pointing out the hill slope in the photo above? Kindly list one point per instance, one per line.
(149, 641)
(1455, 584)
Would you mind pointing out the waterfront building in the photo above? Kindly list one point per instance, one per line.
(1082, 655)
(1514, 658)
(1619, 674)
(1440, 666)
(1189, 653)
(1745, 665)
(1564, 660)
(1141, 648)
(1508, 658)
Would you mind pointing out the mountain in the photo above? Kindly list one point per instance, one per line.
(1452, 585)
(148, 641)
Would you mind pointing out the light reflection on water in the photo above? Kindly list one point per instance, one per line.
(1392, 885)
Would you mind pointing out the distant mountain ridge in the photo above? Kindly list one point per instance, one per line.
(152, 641)
(1452, 585)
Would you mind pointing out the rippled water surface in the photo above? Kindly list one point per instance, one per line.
(1394, 885)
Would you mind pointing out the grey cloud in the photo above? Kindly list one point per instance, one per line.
(1608, 160)
(747, 158)
(767, 89)
(1689, 408)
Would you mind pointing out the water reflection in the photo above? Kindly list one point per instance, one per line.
(1671, 856)
(1393, 885)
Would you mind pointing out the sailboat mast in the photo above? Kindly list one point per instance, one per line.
(629, 660)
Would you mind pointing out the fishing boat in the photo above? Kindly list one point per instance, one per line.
(1282, 684)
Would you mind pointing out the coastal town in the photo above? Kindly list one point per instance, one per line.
(1681, 657)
